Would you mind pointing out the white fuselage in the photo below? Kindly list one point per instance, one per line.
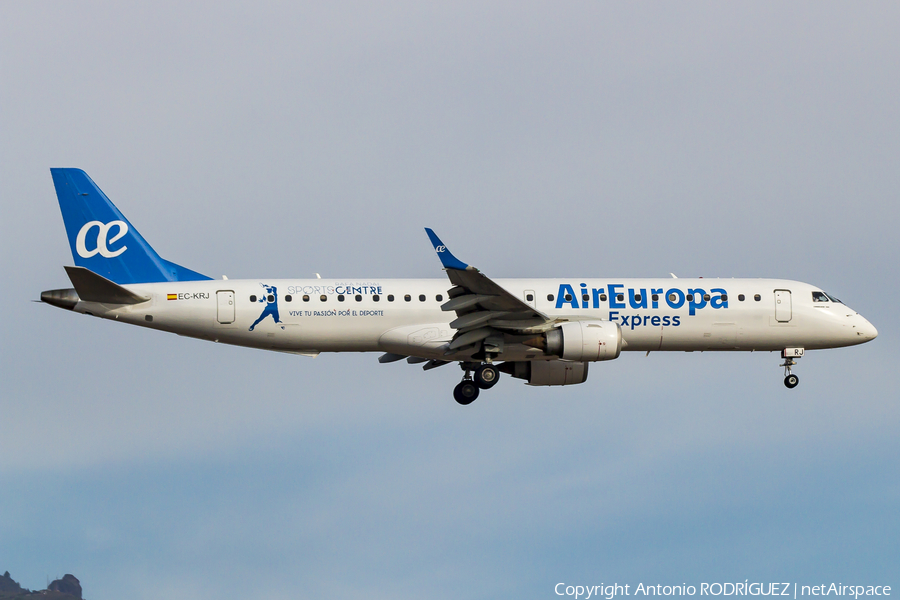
(404, 316)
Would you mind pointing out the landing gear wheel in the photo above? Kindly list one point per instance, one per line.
(465, 392)
(486, 376)
(788, 354)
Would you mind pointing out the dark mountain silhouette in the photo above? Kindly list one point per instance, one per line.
(8, 586)
(67, 588)
(69, 584)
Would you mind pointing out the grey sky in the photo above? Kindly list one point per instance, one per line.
(284, 139)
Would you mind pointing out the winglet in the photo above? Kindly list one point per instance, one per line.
(447, 259)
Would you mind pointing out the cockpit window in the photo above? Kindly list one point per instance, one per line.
(823, 297)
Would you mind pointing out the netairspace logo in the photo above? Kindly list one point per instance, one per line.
(744, 588)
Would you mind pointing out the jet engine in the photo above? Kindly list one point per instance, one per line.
(581, 341)
(547, 372)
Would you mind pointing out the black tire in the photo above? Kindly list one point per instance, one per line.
(486, 376)
(465, 392)
(791, 381)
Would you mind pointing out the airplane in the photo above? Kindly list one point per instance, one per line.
(544, 331)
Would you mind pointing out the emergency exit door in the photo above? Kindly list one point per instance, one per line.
(782, 306)
(225, 303)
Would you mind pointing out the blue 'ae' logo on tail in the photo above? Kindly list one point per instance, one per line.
(103, 241)
(271, 302)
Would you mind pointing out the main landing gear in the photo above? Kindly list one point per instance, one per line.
(486, 376)
(789, 354)
(465, 392)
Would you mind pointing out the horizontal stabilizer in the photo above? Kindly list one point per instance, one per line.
(96, 288)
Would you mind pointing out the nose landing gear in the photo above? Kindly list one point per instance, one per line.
(789, 354)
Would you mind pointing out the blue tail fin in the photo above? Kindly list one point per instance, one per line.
(103, 240)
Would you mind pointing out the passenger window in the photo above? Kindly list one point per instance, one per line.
(358, 298)
(340, 297)
(672, 297)
(407, 297)
(376, 298)
(689, 297)
(252, 298)
(568, 297)
(439, 297)
(305, 298)
(706, 297)
(637, 297)
(819, 297)
(602, 297)
(270, 298)
(741, 297)
(724, 297)
(585, 297)
(757, 297)
(550, 297)
(288, 298)
(655, 297)
(421, 297)
(529, 297)
(390, 297)
(323, 298)
(620, 298)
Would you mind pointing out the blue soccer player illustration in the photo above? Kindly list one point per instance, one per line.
(271, 300)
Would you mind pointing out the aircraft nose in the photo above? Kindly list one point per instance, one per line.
(866, 330)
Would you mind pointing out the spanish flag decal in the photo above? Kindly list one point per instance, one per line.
(172, 297)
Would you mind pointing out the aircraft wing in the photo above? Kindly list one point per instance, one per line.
(483, 308)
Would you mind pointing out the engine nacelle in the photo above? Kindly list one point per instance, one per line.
(547, 372)
(584, 341)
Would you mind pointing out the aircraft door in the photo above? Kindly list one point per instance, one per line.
(782, 306)
(529, 297)
(225, 306)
